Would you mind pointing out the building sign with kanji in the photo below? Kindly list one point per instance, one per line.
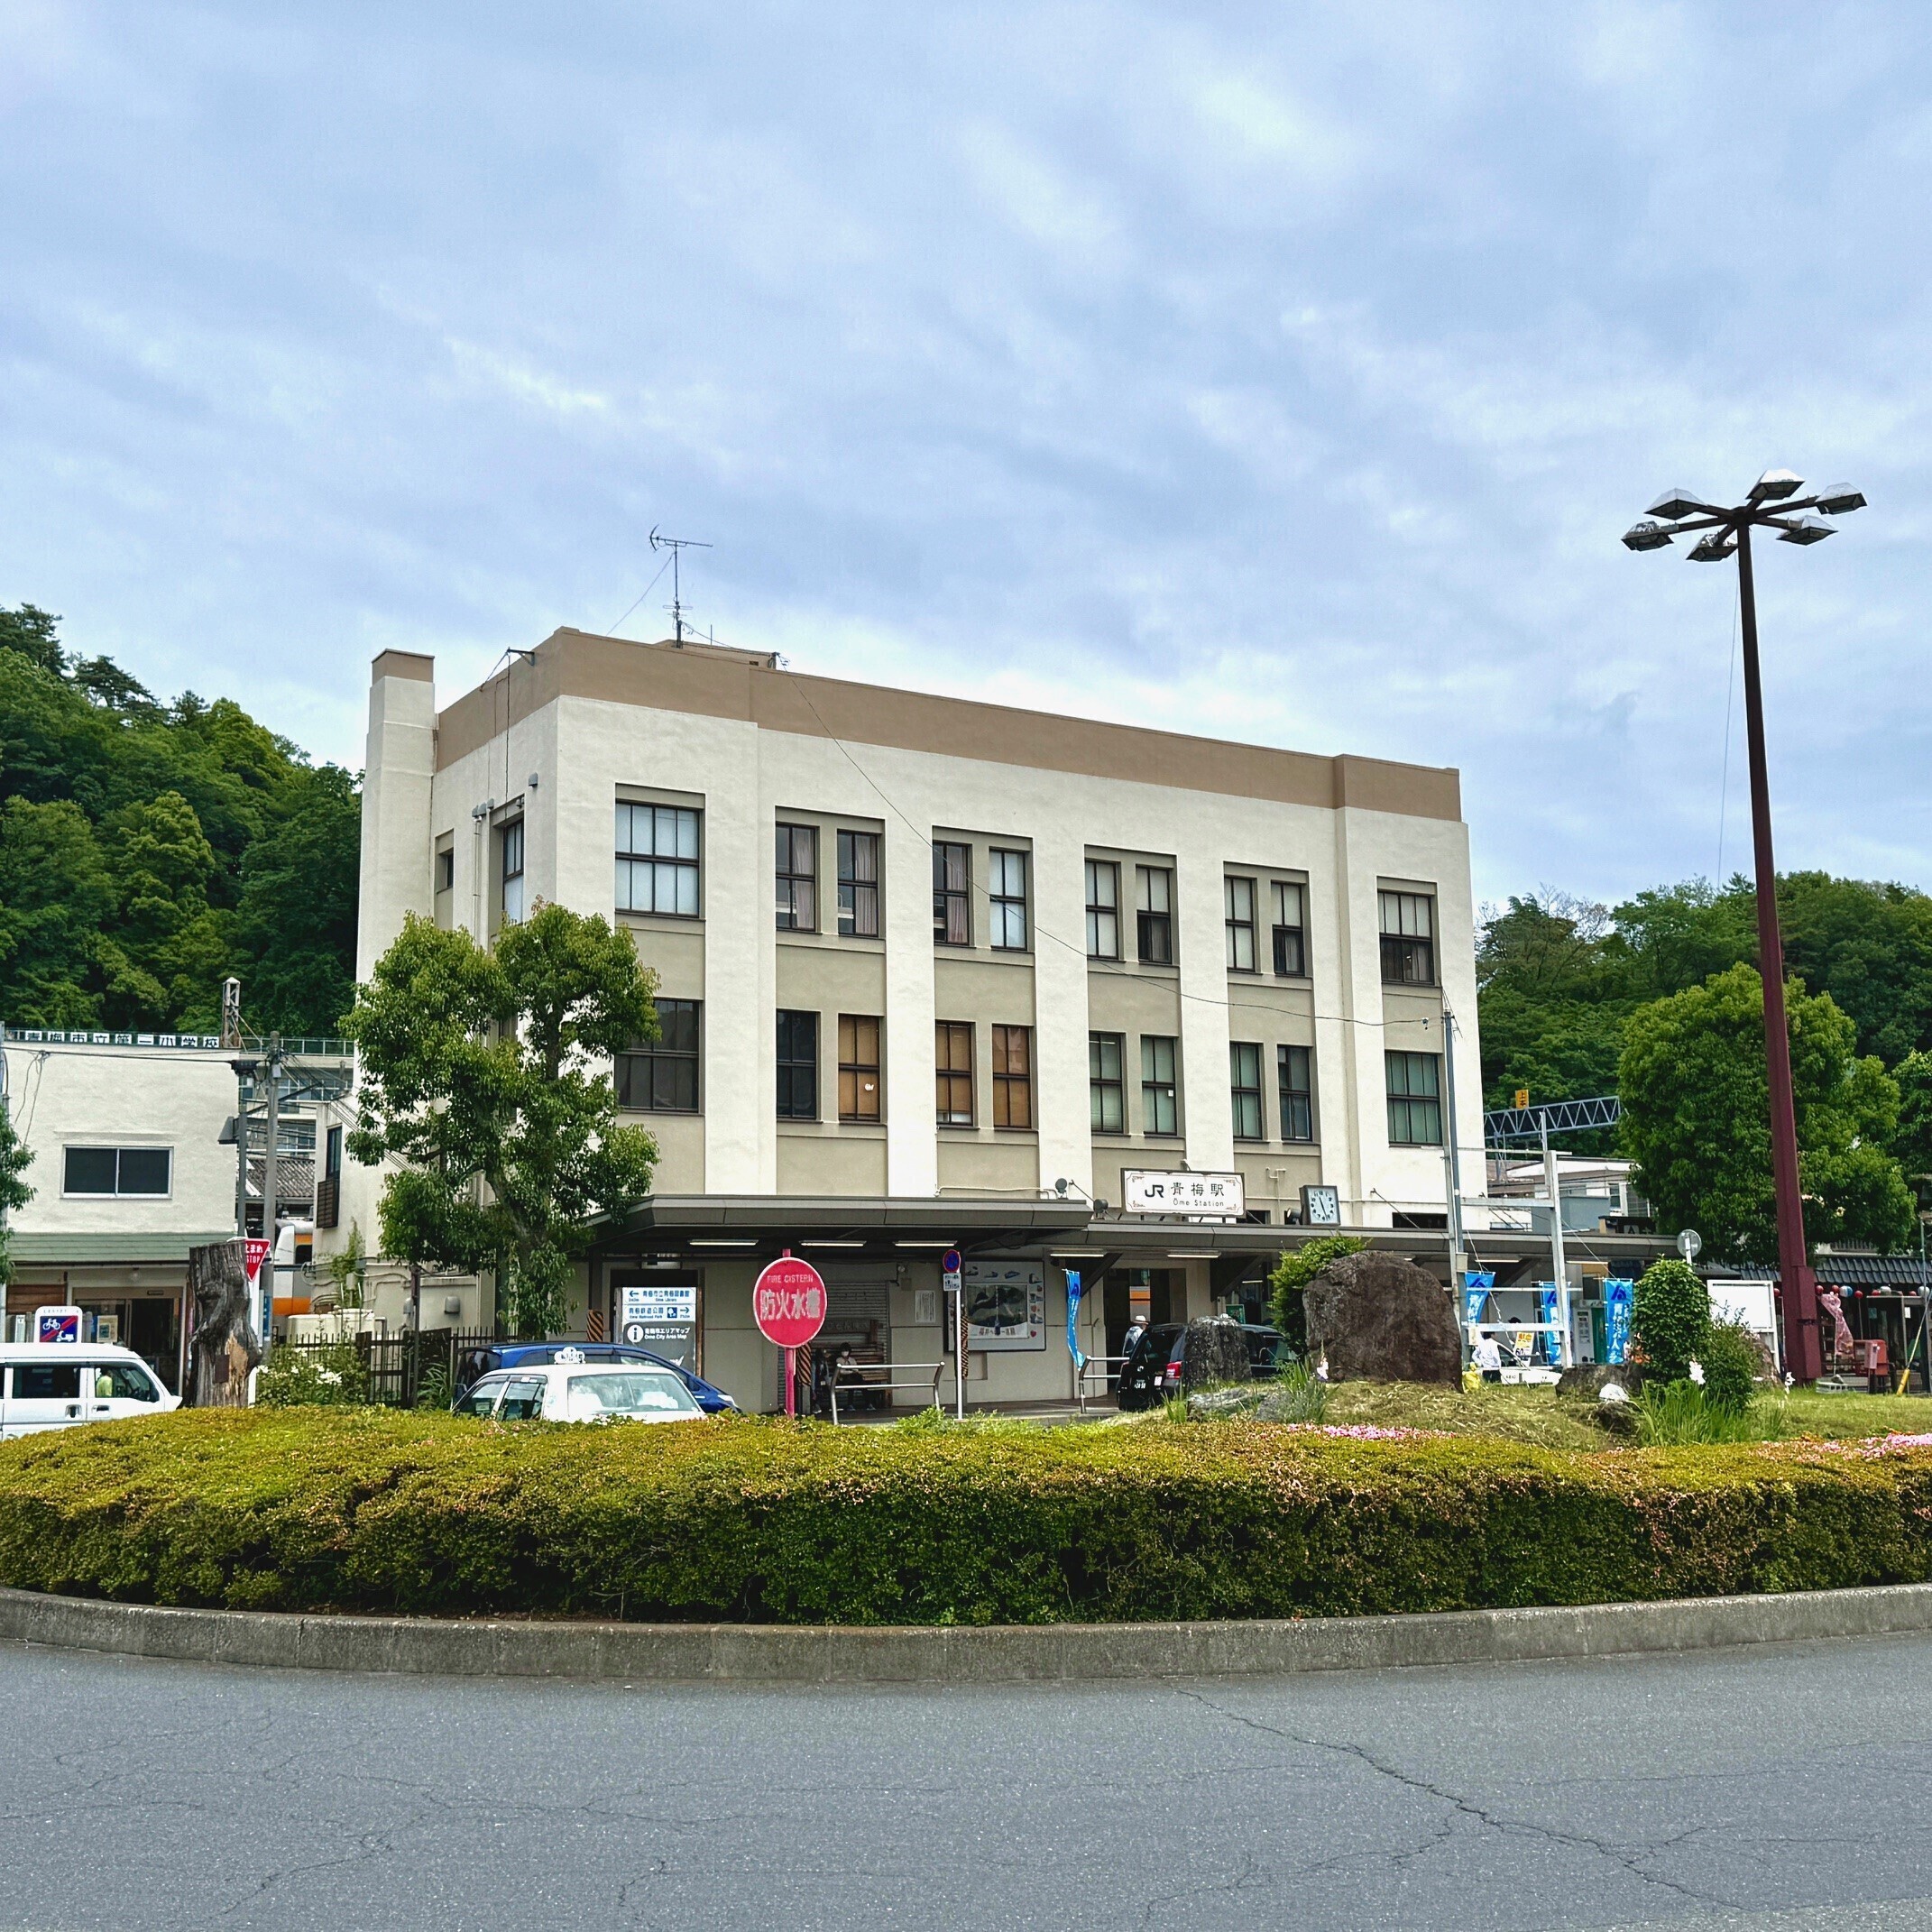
(1193, 1197)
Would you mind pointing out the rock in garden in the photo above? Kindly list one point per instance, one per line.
(1381, 1317)
(1216, 1353)
(1589, 1378)
(1215, 1405)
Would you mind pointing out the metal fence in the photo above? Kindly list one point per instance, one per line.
(397, 1365)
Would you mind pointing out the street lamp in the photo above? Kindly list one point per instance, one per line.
(1773, 503)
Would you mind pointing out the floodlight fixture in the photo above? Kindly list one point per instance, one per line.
(1675, 503)
(1647, 536)
(1840, 501)
(1805, 529)
(1715, 548)
(1775, 485)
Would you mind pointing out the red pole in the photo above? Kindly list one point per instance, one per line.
(1803, 1353)
(791, 1380)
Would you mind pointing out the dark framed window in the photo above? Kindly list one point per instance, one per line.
(1295, 1067)
(1154, 914)
(952, 894)
(1012, 1076)
(1160, 1112)
(1106, 1088)
(144, 1172)
(859, 1066)
(859, 885)
(1006, 891)
(1408, 939)
(1415, 1099)
(953, 1071)
(797, 1066)
(796, 877)
(1240, 894)
(658, 859)
(1103, 909)
(660, 1076)
(446, 869)
(1244, 1075)
(1291, 940)
(509, 848)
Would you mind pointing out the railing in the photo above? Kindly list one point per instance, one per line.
(858, 1381)
(1107, 1367)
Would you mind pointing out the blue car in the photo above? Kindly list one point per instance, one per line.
(479, 1362)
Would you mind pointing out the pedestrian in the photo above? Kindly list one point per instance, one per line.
(1489, 1358)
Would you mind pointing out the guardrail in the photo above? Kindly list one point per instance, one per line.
(1107, 1367)
(858, 1383)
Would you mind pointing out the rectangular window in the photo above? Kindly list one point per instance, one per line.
(1154, 914)
(1408, 939)
(660, 1076)
(510, 844)
(1415, 1099)
(1243, 1063)
(446, 870)
(1298, 1093)
(332, 1155)
(1005, 889)
(117, 1171)
(952, 1067)
(1159, 1106)
(1240, 898)
(952, 894)
(1103, 909)
(1012, 1076)
(1106, 1092)
(658, 859)
(796, 871)
(797, 1066)
(859, 885)
(1291, 948)
(858, 1066)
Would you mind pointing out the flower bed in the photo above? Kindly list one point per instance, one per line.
(764, 1520)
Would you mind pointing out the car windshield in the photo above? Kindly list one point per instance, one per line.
(623, 1391)
(481, 1400)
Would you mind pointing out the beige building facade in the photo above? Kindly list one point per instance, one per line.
(934, 971)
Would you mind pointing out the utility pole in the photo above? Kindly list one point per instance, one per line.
(270, 1202)
(1552, 1186)
(1457, 1252)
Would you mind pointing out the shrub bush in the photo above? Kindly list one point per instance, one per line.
(1731, 1361)
(746, 1518)
(1292, 1273)
(1681, 1411)
(1669, 1317)
(334, 1377)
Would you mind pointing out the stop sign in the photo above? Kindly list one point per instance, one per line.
(788, 1302)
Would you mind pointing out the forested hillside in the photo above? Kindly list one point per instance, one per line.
(149, 849)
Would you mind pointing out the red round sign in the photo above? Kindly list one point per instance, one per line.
(789, 1302)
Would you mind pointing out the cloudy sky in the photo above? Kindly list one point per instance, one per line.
(1285, 373)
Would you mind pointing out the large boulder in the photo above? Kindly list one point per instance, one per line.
(1380, 1317)
(1216, 1353)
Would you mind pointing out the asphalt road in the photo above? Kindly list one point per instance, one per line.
(1777, 1788)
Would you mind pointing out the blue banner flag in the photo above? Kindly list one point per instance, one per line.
(1475, 1292)
(1073, 1295)
(1617, 1319)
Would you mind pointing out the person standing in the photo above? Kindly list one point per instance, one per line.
(1489, 1358)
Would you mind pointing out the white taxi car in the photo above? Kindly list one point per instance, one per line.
(564, 1391)
(61, 1384)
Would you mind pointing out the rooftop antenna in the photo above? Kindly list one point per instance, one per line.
(674, 545)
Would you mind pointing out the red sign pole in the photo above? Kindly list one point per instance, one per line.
(791, 1380)
(788, 1304)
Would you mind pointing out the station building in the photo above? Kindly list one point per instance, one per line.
(935, 972)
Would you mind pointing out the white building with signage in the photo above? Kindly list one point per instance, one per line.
(937, 973)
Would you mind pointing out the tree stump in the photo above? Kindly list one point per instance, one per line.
(226, 1348)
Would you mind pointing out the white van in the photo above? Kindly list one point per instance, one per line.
(57, 1384)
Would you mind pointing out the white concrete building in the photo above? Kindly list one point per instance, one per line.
(932, 971)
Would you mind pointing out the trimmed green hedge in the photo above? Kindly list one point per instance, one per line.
(766, 1521)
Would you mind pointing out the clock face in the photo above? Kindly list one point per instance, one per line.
(1323, 1206)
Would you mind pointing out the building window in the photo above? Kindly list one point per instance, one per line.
(510, 846)
(1240, 898)
(328, 1183)
(952, 894)
(1103, 909)
(117, 1171)
(1408, 939)
(1298, 1093)
(1105, 1090)
(952, 1066)
(1291, 946)
(1154, 916)
(660, 1076)
(1006, 894)
(1244, 1062)
(446, 869)
(1159, 1106)
(1415, 1099)
(797, 878)
(859, 885)
(797, 1066)
(858, 1066)
(658, 859)
(1012, 1076)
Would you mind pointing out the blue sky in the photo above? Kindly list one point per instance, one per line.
(1279, 373)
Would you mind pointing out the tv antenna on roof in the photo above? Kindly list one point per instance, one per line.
(674, 545)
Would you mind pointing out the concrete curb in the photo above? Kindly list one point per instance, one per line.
(772, 1653)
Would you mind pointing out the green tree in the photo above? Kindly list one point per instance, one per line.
(1297, 1267)
(483, 1074)
(1697, 1119)
(1670, 1318)
(56, 899)
(15, 1193)
(1911, 1143)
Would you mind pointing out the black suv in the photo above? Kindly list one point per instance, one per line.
(1156, 1364)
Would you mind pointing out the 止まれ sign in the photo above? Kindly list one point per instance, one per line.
(1195, 1197)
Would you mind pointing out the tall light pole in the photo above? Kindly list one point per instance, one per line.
(1773, 503)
